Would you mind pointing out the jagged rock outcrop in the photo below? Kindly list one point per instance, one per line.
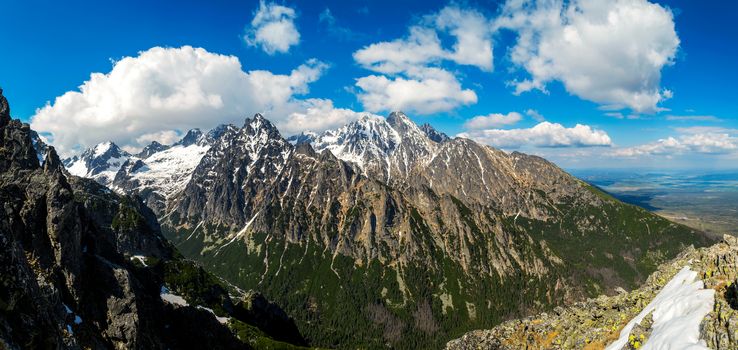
(152, 148)
(82, 267)
(596, 323)
(434, 134)
(4, 110)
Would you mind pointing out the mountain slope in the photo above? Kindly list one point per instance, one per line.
(82, 267)
(155, 173)
(688, 300)
(159, 171)
(99, 163)
(389, 238)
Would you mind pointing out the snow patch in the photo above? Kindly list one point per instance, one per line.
(141, 259)
(101, 148)
(678, 310)
(222, 320)
(168, 172)
(172, 298)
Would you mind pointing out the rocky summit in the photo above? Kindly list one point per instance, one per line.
(83, 267)
(382, 233)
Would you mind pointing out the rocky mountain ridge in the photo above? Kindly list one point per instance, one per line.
(601, 322)
(425, 239)
(99, 163)
(83, 267)
(408, 235)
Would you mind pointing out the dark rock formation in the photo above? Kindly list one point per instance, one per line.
(4, 110)
(68, 271)
(434, 134)
(152, 148)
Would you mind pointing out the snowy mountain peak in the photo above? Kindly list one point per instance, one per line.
(399, 118)
(99, 162)
(101, 148)
(218, 131)
(409, 131)
(379, 146)
(192, 137)
(303, 137)
(152, 148)
(258, 123)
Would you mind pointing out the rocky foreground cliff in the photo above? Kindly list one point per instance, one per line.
(83, 267)
(701, 315)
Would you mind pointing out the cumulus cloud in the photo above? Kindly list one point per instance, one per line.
(273, 28)
(413, 76)
(494, 120)
(164, 91)
(702, 143)
(607, 51)
(473, 35)
(427, 91)
(421, 47)
(544, 134)
(470, 29)
(319, 115)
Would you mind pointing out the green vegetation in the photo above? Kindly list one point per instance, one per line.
(128, 217)
(257, 339)
(430, 298)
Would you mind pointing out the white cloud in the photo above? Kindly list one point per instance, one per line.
(607, 51)
(165, 137)
(702, 143)
(494, 120)
(535, 115)
(473, 35)
(706, 130)
(414, 77)
(619, 115)
(703, 118)
(470, 29)
(427, 91)
(147, 97)
(544, 134)
(421, 47)
(273, 28)
(318, 115)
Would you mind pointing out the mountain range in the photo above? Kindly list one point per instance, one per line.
(383, 233)
(82, 267)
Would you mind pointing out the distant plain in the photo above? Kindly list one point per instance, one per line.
(704, 201)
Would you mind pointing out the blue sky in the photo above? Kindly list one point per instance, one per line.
(51, 48)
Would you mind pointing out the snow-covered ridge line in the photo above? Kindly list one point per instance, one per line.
(385, 146)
